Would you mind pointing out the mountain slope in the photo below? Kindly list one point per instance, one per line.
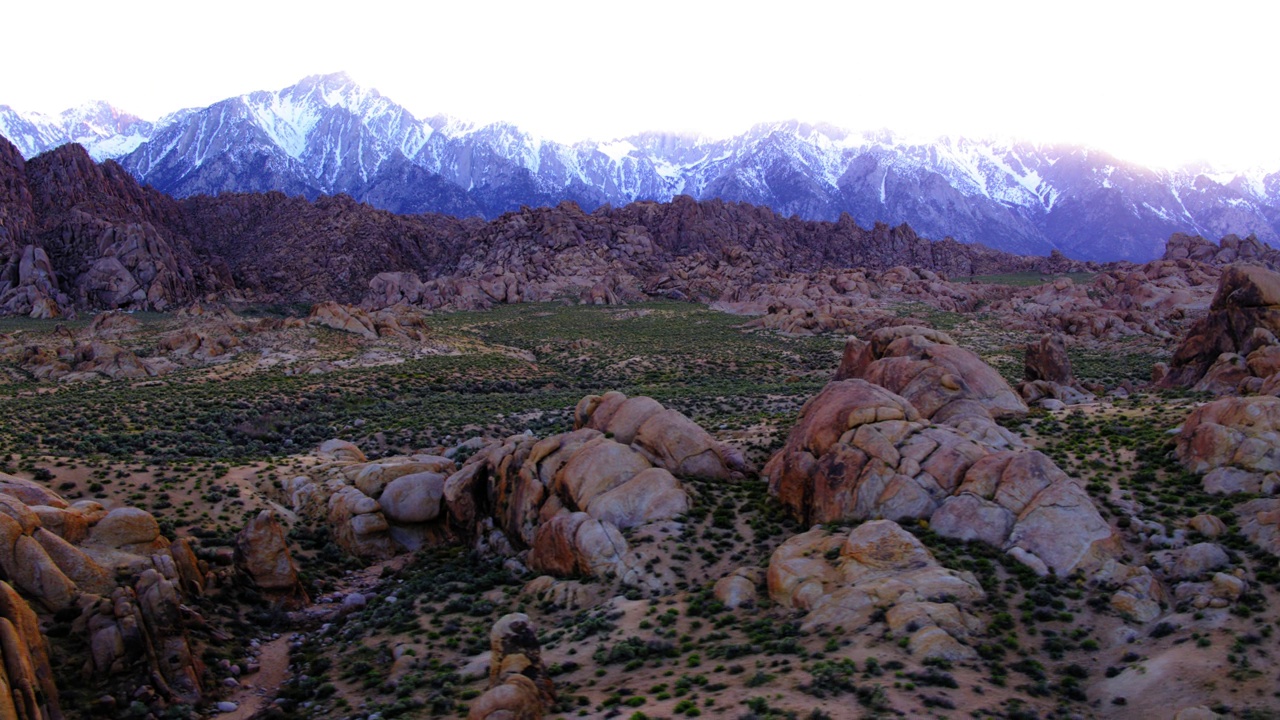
(328, 135)
(76, 235)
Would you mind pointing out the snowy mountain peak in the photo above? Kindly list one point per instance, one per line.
(103, 129)
(329, 134)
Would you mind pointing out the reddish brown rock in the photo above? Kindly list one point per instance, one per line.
(929, 370)
(860, 452)
(1236, 432)
(1248, 299)
(848, 581)
(262, 553)
(26, 660)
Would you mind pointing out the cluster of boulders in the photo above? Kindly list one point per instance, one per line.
(557, 506)
(77, 234)
(83, 361)
(114, 573)
(1231, 249)
(911, 435)
(1123, 301)
(1050, 382)
(108, 347)
(397, 321)
(374, 509)
(844, 301)
(877, 572)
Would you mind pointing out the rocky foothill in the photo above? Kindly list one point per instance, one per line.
(80, 236)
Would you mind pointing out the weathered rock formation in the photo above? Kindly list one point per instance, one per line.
(1231, 249)
(262, 553)
(519, 686)
(343, 492)
(665, 437)
(846, 581)
(568, 498)
(398, 321)
(558, 506)
(27, 688)
(1049, 379)
(80, 234)
(1237, 339)
(928, 369)
(1234, 441)
(114, 572)
(860, 451)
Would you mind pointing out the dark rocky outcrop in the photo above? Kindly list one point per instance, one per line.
(79, 235)
(1243, 320)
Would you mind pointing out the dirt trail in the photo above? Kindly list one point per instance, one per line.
(273, 658)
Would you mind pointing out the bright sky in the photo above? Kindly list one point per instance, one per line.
(1156, 82)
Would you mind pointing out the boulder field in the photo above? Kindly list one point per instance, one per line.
(558, 506)
(862, 451)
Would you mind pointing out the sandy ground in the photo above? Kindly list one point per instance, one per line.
(257, 691)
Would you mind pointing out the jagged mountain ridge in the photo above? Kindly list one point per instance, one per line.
(328, 135)
(75, 234)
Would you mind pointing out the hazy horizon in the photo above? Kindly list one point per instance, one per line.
(1156, 84)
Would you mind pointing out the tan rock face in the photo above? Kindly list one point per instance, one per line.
(1260, 522)
(844, 581)
(666, 437)
(649, 496)
(413, 498)
(342, 451)
(861, 452)
(124, 527)
(739, 588)
(359, 526)
(142, 622)
(262, 553)
(927, 368)
(1238, 432)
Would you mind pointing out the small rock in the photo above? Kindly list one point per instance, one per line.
(226, 706)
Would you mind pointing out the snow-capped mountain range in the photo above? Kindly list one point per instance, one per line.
(328, 135)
